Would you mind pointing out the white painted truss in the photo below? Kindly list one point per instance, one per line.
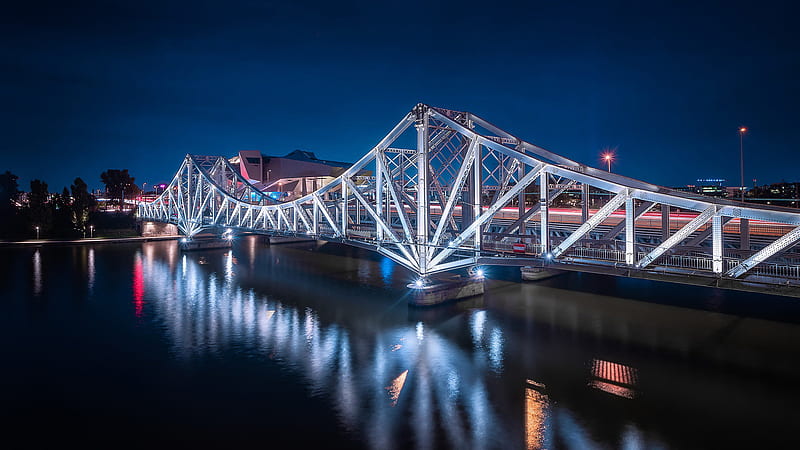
(431, 208)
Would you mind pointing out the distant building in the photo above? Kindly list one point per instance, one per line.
(286, 177)
(781, 194)
(712, 187)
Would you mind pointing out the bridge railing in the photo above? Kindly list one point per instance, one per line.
(603, 254)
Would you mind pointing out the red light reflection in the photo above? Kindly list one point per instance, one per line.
(138, 286)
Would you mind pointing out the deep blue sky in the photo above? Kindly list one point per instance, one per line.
(137, 85)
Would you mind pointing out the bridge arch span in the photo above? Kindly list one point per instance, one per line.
(445, 189)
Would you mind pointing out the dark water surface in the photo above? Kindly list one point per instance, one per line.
(309, 344)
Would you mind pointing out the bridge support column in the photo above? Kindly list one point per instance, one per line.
(379, 209)
(716, 243)
(744, 234)
(521, 196)
(423, 228)
(630, 238)
(544, 187)
(584, 202)
(477, 194)
(345, 214)
(315, 218)
(664, 222)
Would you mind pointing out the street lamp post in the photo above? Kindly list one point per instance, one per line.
(608, 157)
(742, 131)
(91, 231)
(37, 232)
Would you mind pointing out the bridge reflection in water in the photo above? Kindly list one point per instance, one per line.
(464, 377)
(372, 379)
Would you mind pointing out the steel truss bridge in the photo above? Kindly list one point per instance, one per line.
(446, 190)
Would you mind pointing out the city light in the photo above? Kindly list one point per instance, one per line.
(419, 283)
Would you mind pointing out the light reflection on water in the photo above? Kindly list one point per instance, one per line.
(410, 368)
(37, 272)
(524, 366)
(407, 384)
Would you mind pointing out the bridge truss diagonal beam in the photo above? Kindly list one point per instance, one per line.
(593, 221)
(781, 243)
(679, 236)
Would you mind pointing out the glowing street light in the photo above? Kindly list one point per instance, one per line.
(91, 231)
(742, 131)
(608, 157)
(37, 232)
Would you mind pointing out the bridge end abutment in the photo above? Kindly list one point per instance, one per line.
(156, 229)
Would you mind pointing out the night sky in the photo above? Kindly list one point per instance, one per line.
(137, 85)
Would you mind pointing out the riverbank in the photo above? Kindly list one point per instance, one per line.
(97, 240)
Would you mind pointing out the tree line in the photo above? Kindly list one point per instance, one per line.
(66, 214)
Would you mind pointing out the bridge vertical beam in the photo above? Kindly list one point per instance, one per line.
(423, 227)
(584, 202)
(664, 222)
(379, 209)
(187, 208)
(744, 234)
(521, 196)
(630, 238)
(344, 210)
(716, 243)
(467, 205)
(477, 191)
(544, 186)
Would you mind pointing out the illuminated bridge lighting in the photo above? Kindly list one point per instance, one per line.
(444, 232)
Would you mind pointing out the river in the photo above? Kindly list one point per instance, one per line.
(313, 344)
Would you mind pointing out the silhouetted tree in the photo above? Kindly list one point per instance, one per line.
(61, 205)
(83, 203)
(9, 196)
(9, 189)
(119, 184)
(39, 211)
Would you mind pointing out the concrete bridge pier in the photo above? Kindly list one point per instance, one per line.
(436, 291)
(203, 243)
(530, 273)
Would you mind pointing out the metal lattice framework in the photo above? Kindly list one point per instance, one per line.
(455, 191)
